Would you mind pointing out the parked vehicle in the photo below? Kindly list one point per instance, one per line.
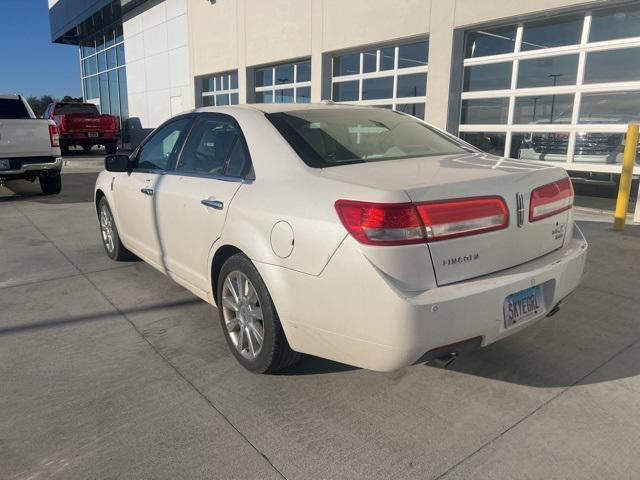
(357, 234)
(81, 124)
(29, 147)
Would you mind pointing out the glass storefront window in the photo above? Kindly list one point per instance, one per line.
(91, 89)
(282, 83)
(490, 142)
(594, 147)
(114, 97)
(347, 64)
(111, 58)
(490, 41)
(620, 65)
(303, 95)
(552, 32)
(264, 77)
(120, 54)
(90, 66)
(485, 111)
(615, 23)
(284, 95)
(414, 85)
(346, 91)
(493, 76)
(303, 72)
(413, 55)
(377, 88)
(415, 109)
(550, 146)
(610, 107)
(284, 74)
(225, 85)
(369, 61)
(543, 109)
(387, 58)
(548, 71)
(102, 61)
(104, 94)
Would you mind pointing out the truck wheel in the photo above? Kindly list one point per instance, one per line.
(87, 148)
(52, 183)
(64, 149)
(109, 234)
(111, 148)
(249, 319)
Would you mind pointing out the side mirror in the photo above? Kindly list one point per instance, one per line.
(116, 163)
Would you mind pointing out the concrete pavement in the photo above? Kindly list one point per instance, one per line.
(111, 370)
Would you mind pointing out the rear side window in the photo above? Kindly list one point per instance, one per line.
(216, 147)
(330, 137)
(13, 108)
(71, 108)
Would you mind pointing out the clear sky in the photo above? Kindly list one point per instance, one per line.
(29, 63)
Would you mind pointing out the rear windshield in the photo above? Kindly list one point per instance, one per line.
(13, 108)
(82, 108)
(329, 137)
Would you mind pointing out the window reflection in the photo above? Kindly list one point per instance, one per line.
(490, 41)
(348, 64)
(490, 142)
(413, 55)
(414, 85)
(494, 76)
(543, 109)
(610, 107)
(346, 91)
(550, 146)
(376, 88)
(553, 32)
(613, 66)
(415, 109)
(548, 71)
(487, 111)
(615, 23)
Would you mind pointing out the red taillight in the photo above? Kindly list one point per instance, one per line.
(381, 223)
(550, 200)
(407, 223)
(54, 136)
(457, 218)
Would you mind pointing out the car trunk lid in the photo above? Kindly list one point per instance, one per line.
(430, 179)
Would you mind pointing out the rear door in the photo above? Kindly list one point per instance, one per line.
(193, 199)
(135, 192)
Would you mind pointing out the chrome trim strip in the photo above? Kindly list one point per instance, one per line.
(28, 167)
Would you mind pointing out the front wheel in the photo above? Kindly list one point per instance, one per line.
(51, 184)
(249, 319)
(109, 233)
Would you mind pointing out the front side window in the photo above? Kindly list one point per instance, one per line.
(330, 137)
(161, 148)
(215, 147)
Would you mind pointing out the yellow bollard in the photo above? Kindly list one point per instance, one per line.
(630, 148)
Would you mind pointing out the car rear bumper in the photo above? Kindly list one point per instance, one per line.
(32, 166)
(350, 313)
(84, 138)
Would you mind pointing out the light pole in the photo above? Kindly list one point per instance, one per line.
(553, 98)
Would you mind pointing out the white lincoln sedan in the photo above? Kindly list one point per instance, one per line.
(356, 234)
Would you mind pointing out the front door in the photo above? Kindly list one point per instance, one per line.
(193, 199)
(135, 192)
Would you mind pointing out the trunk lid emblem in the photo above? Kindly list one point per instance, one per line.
(520, 209)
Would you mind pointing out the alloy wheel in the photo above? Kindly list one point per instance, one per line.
(106, 228)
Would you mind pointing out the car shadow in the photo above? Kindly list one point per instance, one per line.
(76, 188)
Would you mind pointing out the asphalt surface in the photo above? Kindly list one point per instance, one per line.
(110, 370)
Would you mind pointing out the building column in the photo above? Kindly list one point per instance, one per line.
(445, 67)
(317, 18)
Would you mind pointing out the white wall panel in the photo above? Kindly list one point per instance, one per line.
(155, 40)
(177, 32)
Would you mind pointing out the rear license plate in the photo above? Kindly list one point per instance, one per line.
(522, 306)
(4, 164)
(92, 134)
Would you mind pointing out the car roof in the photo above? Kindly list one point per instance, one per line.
(9, 96)
(279, 107)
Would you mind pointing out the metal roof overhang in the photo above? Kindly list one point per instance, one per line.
(66, 15)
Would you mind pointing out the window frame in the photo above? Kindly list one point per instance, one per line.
(577, 89)
(275, 87)
(394, 72)
(248, 175)
(220, 91)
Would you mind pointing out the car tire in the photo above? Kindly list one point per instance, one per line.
(52, 183)
(239, 318)
(109, 234)
(111, 148)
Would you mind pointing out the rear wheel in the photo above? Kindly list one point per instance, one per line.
(249, 319)
(52, 183)
(109, 233)
(111, 148)
(87, 148)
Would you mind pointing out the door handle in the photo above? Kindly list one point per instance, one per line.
(147, 191)
(217, 204)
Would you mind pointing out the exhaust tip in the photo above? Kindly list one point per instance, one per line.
(554, 310)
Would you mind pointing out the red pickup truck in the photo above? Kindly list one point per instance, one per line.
(81, 124)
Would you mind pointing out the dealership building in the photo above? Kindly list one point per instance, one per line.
(551, 80)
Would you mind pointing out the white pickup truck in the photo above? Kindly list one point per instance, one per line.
(29, 147)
